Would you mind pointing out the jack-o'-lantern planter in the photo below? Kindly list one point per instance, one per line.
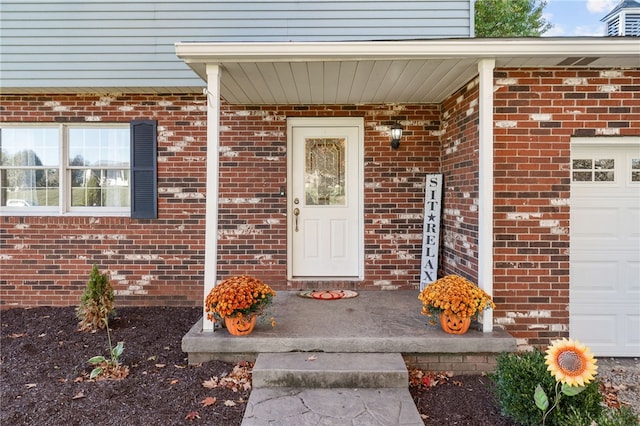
(238, 301)
(456, 301)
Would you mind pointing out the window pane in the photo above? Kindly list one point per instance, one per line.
(603, 176)
(582, 176)
(30, 187)
(100, 188)
(635, 170)
(325, 171)
(29, 147)
(604, 164)
(582, 164)
(99, 147)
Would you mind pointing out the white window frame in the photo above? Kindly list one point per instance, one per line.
(64, 207)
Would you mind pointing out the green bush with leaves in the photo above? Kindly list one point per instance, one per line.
(622, 416)
(96, 303)
(516, 377)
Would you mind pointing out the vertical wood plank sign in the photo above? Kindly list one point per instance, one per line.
(431, 229)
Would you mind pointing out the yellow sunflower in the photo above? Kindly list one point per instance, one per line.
(570, 362)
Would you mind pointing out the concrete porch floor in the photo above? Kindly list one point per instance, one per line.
(374, 321)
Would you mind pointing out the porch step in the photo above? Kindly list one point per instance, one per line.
(312, 388)
(330, 370)
(306, 407)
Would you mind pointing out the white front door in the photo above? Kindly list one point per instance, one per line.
(325, 209)
(604, 291)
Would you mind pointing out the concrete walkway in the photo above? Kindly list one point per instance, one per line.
(306, 407)
(330, 389)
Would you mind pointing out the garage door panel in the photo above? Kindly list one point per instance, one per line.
(594, 330)
(606, 219)
(595, 276)
(604, 333)
(604, 307)
(634, 223)
(594, 273)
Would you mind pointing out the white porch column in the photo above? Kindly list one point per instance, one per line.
(485, 192)
(211, 214)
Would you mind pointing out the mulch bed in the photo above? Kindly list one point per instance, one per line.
(44, 376)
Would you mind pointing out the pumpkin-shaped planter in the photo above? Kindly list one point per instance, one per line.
(453, 324)
(237, 301)
(240, 325)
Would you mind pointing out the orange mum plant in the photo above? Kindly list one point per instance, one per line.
(454, 295)
(243, 295)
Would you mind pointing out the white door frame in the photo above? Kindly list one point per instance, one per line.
(357, 122)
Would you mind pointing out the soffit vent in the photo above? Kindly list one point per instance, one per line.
(579, 61)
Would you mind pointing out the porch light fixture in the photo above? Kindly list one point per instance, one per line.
(396, 135)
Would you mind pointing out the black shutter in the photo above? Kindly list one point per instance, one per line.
(144, 168)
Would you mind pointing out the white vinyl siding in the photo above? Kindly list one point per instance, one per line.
(92, 44)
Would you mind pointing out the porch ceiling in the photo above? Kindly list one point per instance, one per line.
(385, 72)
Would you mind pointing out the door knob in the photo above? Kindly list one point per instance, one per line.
(296, 213)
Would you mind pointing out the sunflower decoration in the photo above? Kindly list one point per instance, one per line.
(238, 296)
(570, 362)
(572, 365)
(454, 295)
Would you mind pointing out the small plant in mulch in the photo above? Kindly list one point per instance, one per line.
(109, 368)
(96, 303)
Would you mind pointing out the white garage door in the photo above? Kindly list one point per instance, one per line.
(605, 247)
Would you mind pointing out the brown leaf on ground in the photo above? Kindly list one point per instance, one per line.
(212, 383)
(30, 385)
(610, 395)
(112, 372)
(78, 395)
(192, 416)
(422, 379)
(210, 400)
(174, 381)
(17, 335)
(229, 403)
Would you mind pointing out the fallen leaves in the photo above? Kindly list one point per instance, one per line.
(193, 415)
(230, 403)
(420, 378)
(16, 335)
(208, 401)
(609, 393)
(30, 385)
(79, 395)
(238, 380)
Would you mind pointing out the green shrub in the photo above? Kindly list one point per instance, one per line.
(516, 378)
(623, 416)
(96, 303)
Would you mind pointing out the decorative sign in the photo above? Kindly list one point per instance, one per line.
(431, 229)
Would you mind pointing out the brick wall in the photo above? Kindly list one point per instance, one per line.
(253, 169)
(47, 260)
(459, 136)
(536, 114)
